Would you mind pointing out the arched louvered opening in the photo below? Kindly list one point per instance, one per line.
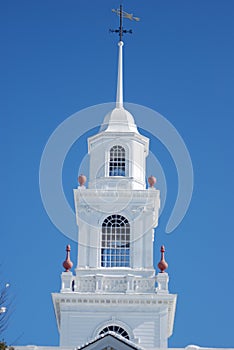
(117, 163)
(116, 329)
(115, 249)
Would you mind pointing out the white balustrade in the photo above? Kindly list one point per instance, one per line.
(113, 284)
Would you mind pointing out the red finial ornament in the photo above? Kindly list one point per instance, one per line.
(162, 265)
(67, 264)
(82, 179)
(152, 181)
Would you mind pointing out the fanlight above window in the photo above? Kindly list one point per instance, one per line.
(117, 161)
(116, 329)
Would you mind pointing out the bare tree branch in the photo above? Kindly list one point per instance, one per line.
(5, 307)
(5, 304)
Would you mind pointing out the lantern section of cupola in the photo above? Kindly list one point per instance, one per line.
(118, 153)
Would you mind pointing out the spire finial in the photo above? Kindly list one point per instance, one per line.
(162, 265)
(152, 181)
(67, 264)
(82, 180)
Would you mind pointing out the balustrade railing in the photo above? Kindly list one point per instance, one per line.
(113, 284)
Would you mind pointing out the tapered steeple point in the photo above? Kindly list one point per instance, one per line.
(119, 93)
(119, 119)
(121, 31)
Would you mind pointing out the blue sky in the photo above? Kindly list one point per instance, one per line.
(57, 58)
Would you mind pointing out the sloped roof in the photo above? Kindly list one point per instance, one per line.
(119, 120)
(111, 340)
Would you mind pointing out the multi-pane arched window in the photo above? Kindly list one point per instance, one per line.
(115, 249)
(117, 161)
(116, 329)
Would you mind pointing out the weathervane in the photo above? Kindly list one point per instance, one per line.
(122, 14)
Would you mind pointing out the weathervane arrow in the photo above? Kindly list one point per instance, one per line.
(126, 15)
(122, 14)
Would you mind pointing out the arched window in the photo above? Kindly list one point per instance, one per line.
(117, 161)
(116, 329)
(115, 250)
